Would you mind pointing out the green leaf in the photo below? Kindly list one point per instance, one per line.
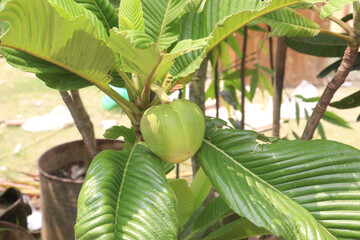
(53, 75)
(321, 45)
(313, 99)
(335, 119)
(321, 131)
(257, 180)
(103, 10)
(301, 6)
(230, 98)
(181, 49)
(137, 57)
(184, 199)
(225, 57)
(64, 45)
(295, 135)
(195, 6)
(115, 3)
(126, 196)
(71, 10)
(267, 83)
(121, 131)
(347, 17)
(253, 85)
(200, 188)
(287, 22)
(238, 229)
(351, 101)
(248, 194)
(129, 136)
(138, 53)
(4, 26)
(186, 230)
(131, 12)
(168, 167)
(212, 213)
(330, 70)
(219, 23)
(161, 19)
(332, 6)
(297, 111)
(233, 43)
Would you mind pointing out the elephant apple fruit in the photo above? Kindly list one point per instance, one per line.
(173, 131)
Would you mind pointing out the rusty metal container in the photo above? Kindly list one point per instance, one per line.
(17, 211)
(10, 231)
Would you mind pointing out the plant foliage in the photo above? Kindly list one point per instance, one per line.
(273, 185)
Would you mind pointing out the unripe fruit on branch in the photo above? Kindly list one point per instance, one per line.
(173, 131)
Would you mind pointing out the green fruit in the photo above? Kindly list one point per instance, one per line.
(174, 131)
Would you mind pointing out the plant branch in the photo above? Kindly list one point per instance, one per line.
(242, 124)
(339, 35)
(160, 93)
(356, 19)
(85, 117)
(342, 72)
(145, 94)
(79, 122)
(278, 84)
(130, 94)
(271, 54)
(129, 108)
(216, 87)
(342, 24)
(129, 83)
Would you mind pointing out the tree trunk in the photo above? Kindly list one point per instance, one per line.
(82, 122)
(278, 84)
(197, 95)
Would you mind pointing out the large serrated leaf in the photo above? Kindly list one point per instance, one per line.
(333, 5)
(71, 10)
(287, 22)
(162, 20)
(64, 46)
(321, 178)
(53, 75)
(250, 196)
(126, 196)
(103, 10)
(219, 22)
(137, 57)
(140, 56)
(321, 45)
(131, 15)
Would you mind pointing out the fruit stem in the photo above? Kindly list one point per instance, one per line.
(160, 93)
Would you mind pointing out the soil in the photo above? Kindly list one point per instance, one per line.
(69, 170)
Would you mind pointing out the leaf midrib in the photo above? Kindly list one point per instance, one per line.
(260, 179)
(162, 25)
(224, 36)
(122, 184)
(107, 23)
